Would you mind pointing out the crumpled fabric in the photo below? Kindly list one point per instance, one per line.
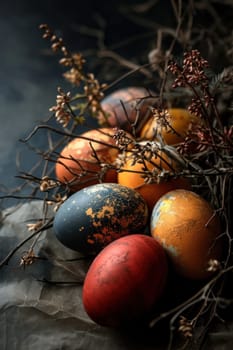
(40, 315)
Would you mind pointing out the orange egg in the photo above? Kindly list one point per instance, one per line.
(78, 164)
(132, 174)
(173, 127)
(124, 106)
(187, 227)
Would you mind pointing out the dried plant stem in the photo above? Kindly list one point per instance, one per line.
(199, 296)
(62, 132)
(46, 226)
(124, 62)
(60, 283)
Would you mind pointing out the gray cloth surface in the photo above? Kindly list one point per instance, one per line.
(43, 316)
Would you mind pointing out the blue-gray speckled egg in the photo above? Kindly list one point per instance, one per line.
(95, 216)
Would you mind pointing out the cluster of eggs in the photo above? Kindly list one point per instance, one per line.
(133, 230)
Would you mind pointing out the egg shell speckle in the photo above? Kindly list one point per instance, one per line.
(97, 215)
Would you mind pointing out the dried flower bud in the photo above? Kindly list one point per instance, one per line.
(56, 46)
(213, 265)
(185, 327)
(65, 61)
(47, 184)
(62, 113)
(43, 26)
(122, 139)
(28, 258)
(58, 200)
(35, 226)
(74, 76)
(162, 116)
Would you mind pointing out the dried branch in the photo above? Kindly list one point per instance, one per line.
(44, 227)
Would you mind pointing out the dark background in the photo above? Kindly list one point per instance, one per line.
(30, 73)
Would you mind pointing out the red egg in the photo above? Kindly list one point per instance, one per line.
(125, 281)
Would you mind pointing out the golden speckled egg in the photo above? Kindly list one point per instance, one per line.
(123, 106)
(78, 164)
(178, 122)
(96, 215)
(186, 226)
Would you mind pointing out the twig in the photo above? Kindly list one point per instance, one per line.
(6, 260)
(124, 62)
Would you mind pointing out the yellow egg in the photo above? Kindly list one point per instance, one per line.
(173, 127)
(187, 227)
